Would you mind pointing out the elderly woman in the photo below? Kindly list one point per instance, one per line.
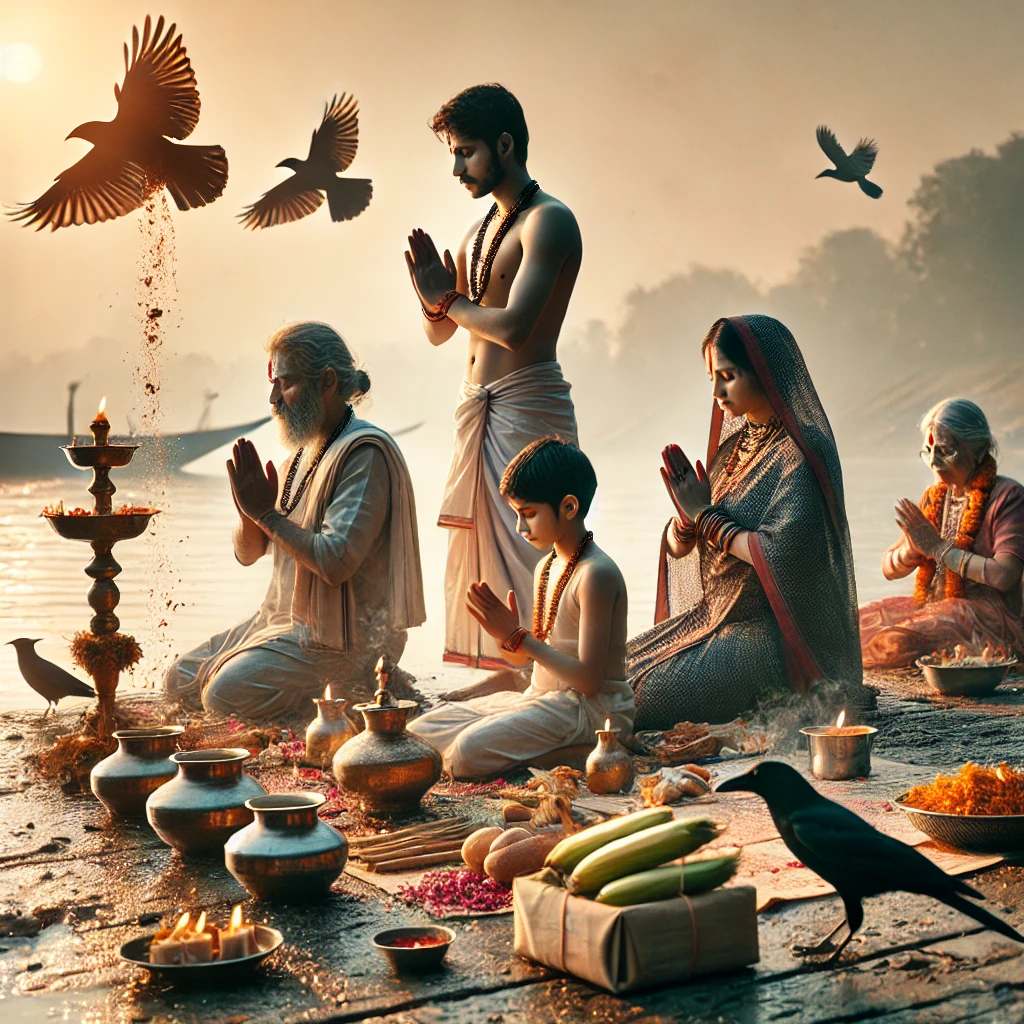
(965, 543)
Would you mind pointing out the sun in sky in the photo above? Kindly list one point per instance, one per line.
(19, 62)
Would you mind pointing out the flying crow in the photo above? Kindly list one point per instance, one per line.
(132, 156)
(332, 150)
(854, 167)
(852, 856)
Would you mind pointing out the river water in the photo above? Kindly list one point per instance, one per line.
(199, 589)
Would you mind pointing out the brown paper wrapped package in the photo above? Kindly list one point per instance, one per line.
(623, 948)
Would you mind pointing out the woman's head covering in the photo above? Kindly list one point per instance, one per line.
(782, 373)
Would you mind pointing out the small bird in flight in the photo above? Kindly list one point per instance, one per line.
(331, 151)
(854, 167)
(50, 681)
(131, 158)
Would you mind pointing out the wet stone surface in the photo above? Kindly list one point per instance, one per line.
(74, 886)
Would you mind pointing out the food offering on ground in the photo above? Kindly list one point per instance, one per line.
(974, 790)
(694, 741)
(673, 785)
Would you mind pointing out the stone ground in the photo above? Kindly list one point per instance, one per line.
(92, 884)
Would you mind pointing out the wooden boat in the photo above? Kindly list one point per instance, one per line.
(39, 456)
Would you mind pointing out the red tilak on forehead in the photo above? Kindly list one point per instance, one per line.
(931, 439)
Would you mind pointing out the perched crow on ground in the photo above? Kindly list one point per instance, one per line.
(50, 681)
(131, 158)
(851, 855)
(854, 167)
(331, 151)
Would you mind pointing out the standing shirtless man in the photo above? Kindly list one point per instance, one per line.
(509, 286)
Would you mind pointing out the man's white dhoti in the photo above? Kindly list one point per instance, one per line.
(491, 734)
(493, 423)
(329, 625)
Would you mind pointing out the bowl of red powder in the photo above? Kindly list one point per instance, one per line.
(413, 950)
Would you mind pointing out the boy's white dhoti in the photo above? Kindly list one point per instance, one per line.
(493, 423)
(491, 734)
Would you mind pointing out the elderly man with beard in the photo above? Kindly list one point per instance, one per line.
(340, 519)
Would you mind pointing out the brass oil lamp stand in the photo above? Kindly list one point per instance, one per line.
(103, 652)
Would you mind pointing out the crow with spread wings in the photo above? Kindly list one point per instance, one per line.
(331, 151)
(853, 167)
(132, 156)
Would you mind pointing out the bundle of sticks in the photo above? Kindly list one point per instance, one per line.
(417, 846)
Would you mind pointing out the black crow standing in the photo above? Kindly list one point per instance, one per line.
(853, 167)
(852, 856)
(331, 151)
(132, 156)
(50, 681)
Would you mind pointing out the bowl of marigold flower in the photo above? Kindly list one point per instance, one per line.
(980, 809)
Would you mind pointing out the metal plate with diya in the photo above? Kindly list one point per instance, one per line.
(215, 972)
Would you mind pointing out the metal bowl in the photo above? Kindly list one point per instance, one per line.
(217, 972)
(965, 680)
(404, 959)
(110, 456)
(975, 833)
(114, 526)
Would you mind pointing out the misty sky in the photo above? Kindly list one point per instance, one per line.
(679, 132)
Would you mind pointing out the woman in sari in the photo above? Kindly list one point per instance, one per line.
(756, 593)
(965, 542)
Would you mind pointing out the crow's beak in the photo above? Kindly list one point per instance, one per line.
(824, 174)
(733, 785)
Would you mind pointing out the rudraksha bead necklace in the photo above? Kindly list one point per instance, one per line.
(480, 273)
(286, 491)
(543, 617)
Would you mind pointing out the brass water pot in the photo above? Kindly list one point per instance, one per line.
(287, 854)
(388, 767)
(198, 810)
(141, 764)
(609, 765)
(327, 732)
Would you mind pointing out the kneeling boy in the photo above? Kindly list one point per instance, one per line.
(578, 636)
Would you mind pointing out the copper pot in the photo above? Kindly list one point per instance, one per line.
(388, 767)
(287, 853)
(140, 765)
(327, 732)
(198, 810)
(609, 765)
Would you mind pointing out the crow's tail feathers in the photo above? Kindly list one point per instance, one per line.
(194, 175)
(869, 188)
(980, 914)
(348, 197)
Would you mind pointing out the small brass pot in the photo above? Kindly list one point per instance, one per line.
(609, 765)
(327, 732)
(386, 766)
(287, 854)
(140, 765)
(198, 810)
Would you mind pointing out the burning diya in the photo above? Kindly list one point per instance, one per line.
(328, 731)
(386, 766)
(609, 765)
(840, 751)
(102, 651)
(200, 951)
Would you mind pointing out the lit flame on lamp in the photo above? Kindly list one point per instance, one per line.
(841, 719)
(101, 412)
(201, 924)
(607, 725)
(180, 928)
(327, 692)
(236, 919)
